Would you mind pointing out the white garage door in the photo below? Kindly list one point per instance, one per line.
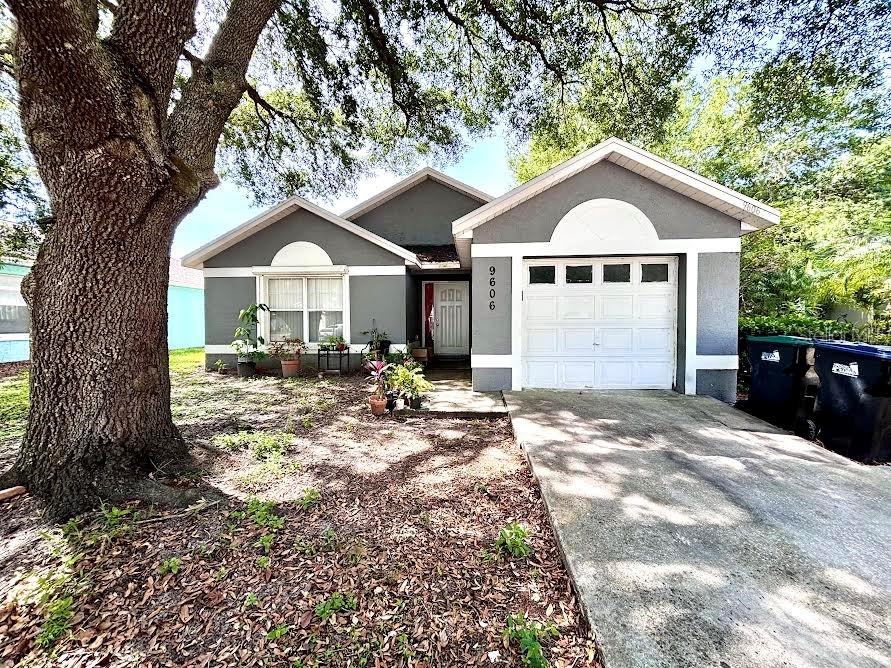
(600, 322)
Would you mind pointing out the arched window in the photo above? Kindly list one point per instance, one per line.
(603, 219)
(301, 254)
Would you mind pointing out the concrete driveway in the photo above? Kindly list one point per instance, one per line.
(697, 535)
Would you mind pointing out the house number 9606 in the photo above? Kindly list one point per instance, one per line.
(492, 288)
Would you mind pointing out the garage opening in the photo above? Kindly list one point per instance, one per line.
(600, 323)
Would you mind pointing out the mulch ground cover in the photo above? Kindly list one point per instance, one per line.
(342, 540)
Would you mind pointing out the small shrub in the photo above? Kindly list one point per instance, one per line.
(530, 637)
(277, 632)
(170, 565)
(311, 496)
(512, 539)
(334, 604)
(265, 542)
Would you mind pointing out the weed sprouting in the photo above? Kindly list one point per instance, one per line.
(530, 636)
(512, 540)
(334, 604)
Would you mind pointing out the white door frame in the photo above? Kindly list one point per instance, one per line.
(424, 315)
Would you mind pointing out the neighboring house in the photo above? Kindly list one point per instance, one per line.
(185, 308)
(616, 270)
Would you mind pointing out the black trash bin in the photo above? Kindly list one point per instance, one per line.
(854, 401)
(783, 383)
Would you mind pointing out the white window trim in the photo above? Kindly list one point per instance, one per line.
(263, 327)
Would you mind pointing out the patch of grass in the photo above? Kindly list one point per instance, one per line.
(262, 513)
(265, 542)
(171, 565)
(59, 612)
(13, 406)
(530, 637)
(262, 444)
(186, 360)
(311, 496)
(261, 474)
(334, 604)
(512, 540)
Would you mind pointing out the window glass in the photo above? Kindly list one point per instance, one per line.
(323, 324)
(654, 273)
(617, 273)
(325, 306)
(542, 274)
(580, 274)
(285, 325)
(285, 293)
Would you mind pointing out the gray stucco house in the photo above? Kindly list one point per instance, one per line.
(615, 269)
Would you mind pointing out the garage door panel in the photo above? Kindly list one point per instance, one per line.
(616, 340)
(579, 341)
(614, 307)
(616, 335)
(542, 341)
(577, 307)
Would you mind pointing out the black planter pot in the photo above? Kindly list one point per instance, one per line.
(246, 369)
(383, 347)
(415, 403)
(391, 400)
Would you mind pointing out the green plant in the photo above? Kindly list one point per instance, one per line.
(247, 340)
(311, 496)
(262, 513)
(512, 539)
(530, 637)
(408, 382)
(115, 522)
(329, 539)
(277, 632)
(304, 547)
(377, 336)
(264, 562)
(264, 542)
(334, 604)
(262, 444)
(59, 613)
(221, 574)
(378, 371)
(251, 600)
(170, 565)
(306, 421)
(220, 366)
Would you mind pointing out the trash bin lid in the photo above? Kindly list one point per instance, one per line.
(788, 340)
(864, 349)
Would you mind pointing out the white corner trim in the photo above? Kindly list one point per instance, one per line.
(717, 362)
(329, 269)
(677, 178)
(516, 321)
(15, 336)
(491, 361)
(228, 272)
(410, 182)
(371, 270)
(597, 248)
(276, 213)
(690, 326)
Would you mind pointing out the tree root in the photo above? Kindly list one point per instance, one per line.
(10, 478)
(156, 493)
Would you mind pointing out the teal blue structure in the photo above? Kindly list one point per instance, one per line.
(185, 316)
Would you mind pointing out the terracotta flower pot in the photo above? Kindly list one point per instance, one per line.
(378, 405)
(290, 368)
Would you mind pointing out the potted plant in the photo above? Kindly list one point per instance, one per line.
(410, 384)
(378, 400)
(379, 343)
(288, 352)
(247, 341)
(336, 343)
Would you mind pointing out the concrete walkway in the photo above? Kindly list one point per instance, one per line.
(454, 396)
(697, 535)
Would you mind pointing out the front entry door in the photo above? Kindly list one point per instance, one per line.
(451, 327)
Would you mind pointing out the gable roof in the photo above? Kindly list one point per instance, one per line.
(751, 213)
(410, 182)
(196, 258)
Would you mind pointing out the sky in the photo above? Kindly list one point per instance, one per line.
(484, 166)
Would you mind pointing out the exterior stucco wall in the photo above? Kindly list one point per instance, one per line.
(342, 246)
(223, 299)
(673, 215)
(378, 301)
(717, 383)
(491, 380)
(420, 215)
(490, 329)
(718, 304)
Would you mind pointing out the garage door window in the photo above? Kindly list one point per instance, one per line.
(654, 273)
(617, 273)
(544, 274)
(579, 273)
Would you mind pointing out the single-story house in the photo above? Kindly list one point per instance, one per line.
(615, 269)
(185, 308)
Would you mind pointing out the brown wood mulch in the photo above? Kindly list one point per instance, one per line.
(408, 514)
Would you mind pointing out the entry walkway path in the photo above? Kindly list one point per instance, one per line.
(453, 395)
(697, 535)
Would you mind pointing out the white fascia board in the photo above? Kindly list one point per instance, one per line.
(491, 361)
(374, 270)
(228, 272)
(15, 336)
(196, 258)
(637, 247)
(410, 182)
(331, 269)
(744, 206)
(434, 266)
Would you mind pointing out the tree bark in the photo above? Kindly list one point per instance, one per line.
(121, 174)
